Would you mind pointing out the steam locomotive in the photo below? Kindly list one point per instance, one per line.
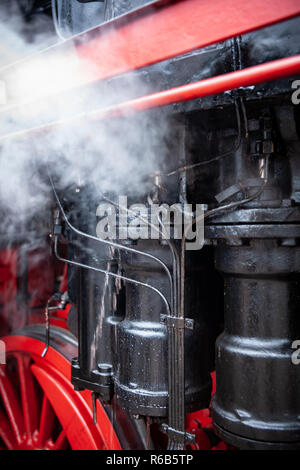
(137, 342)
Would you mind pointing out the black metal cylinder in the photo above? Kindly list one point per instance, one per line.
(98, 312)
(98, 300)
(257, 402)
(141, 378)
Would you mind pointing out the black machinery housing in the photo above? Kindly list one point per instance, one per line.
(255, 247)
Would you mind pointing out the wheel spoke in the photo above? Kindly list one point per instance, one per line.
(61, 418)
(6, 433)
(61, 442)
(28, 394)
(10, 401)
(46, 422)
(77, 422)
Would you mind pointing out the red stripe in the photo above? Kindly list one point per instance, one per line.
(242, 78)
(247, 77)
(175, 29)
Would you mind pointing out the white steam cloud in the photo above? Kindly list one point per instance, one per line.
(115, 156)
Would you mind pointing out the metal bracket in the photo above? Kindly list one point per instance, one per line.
(95, 397)
(177, 322)
(176, 435)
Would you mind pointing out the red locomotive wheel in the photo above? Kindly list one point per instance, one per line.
(39, 408)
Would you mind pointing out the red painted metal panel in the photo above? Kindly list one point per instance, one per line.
(177, 28)
(8, 290)
(40, 285)
(149, 35)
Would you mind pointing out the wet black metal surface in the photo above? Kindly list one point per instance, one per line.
(257, 384)
(141, 373)
(255, 247)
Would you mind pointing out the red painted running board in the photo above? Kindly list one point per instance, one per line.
(175, 28)
(157, 32)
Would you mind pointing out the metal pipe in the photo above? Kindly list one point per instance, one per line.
(158, 230)
(108, 273)
(109, 242)
(242, 78)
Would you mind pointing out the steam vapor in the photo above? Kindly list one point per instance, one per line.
(114, 157)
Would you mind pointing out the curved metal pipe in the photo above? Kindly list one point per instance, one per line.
(108, 273)
(108, 242)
